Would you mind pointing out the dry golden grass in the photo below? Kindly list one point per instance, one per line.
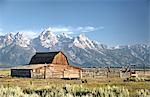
(5, 72)
(31, 83)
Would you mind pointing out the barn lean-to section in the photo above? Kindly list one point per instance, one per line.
(48, 65)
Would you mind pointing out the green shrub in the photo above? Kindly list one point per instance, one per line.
(14, 92)
(70, 91)
(143, 93)
(80, 91)
(137, 79)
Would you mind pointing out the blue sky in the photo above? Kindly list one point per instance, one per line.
(112, 22)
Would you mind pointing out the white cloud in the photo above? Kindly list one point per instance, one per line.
(71, 30)
(86, 29)
(59, 29)
(1, 33)
(29, 33)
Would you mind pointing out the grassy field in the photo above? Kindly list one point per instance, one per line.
(5, 72)
(30, 83)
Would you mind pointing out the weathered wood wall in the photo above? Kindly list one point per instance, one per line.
(61, 71)
(57, 71)
(59, 68)
(71, 74)
(60, 58)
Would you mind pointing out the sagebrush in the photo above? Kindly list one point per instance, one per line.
(70, 91)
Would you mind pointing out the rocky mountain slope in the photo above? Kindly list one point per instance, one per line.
(17, 49)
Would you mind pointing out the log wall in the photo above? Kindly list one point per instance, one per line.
(60, 58)
(57, 71)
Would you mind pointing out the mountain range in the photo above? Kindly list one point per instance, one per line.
(17, 49)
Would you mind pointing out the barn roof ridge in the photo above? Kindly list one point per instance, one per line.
(48, 52)
(43, 57)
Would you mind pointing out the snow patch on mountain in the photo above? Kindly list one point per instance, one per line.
(6, 40)
(82, 51)
(48, 39)
(17, 39)
(83, 42)
(21, 40)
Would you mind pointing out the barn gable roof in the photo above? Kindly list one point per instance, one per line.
(43, 57)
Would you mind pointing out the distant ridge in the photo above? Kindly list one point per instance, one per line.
(17, 49)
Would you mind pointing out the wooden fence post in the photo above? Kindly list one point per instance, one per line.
(44, 72)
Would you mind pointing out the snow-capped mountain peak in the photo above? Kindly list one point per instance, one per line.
(21, 40)
(80, 50)
(82, 37)
(9, 38)
(83, 42)
(6, 40)
(64, 35)
(48, 38)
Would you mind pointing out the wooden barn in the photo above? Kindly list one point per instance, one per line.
(48, 65)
